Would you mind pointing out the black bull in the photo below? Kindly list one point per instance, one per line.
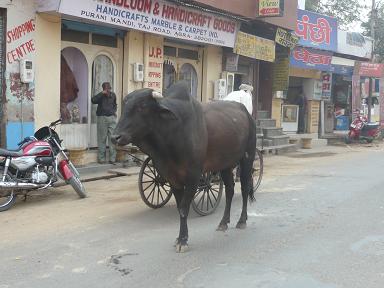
(185, 138)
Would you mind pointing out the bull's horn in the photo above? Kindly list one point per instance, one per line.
(157, 95)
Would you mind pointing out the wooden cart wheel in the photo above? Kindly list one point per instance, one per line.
(208, 194)
(154, 190)
(258, 168)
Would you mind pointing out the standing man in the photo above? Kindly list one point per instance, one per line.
(243, 96)
(301, 101)
(106, 122)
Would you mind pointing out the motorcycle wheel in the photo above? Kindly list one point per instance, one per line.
(347, 139)
(75, 182)
(77, 186)
(7, 201)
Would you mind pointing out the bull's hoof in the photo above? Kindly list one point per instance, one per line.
(241, 225)
(222, 227)
(181, 248)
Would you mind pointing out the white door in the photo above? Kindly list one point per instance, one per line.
(102, 71)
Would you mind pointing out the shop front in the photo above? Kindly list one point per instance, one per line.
(368, 90)
(144, 44)
(254, 54)
(317, 43)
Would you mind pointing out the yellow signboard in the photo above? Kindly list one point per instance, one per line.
(254, 47)
(286, 38)
(280, 72)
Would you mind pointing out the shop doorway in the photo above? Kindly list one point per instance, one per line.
(183, 63)
(102, 71)
(102, 48)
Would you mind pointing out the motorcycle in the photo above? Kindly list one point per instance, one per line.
(361, 129)
(37, 164)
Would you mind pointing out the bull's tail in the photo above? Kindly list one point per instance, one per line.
(251, 151)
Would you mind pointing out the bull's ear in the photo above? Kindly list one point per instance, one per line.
(166, 112)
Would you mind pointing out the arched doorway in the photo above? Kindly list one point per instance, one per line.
(74, 97)
(182, 62)
(102, 71)
(188, 73)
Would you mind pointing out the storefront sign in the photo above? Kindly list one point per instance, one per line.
(158, 17)
(286, 38)
(280, 72)
(154, 63)
(317, 89)
(315, 30)
(271, 7)
(231, 62)
(254, 47)
(327, 86)
(367, 69)
(311, 59)
(314, 110)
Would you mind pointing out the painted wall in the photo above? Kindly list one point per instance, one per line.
(212, 68)
(20, 44)
(135, 54)
(47, 73)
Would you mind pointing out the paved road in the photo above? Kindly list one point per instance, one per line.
(318, 222)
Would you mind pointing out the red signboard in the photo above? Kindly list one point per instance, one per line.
(367, 69)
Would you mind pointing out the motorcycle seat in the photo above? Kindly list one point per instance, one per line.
(371, 125)
(10, 153)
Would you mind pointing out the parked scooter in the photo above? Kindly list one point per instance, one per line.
(37, 164)
(361, 129)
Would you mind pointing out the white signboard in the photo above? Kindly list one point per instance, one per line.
(159, 17)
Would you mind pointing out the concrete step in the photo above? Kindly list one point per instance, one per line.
(272, 131)
(279, 149)
(262, 114)
(259, 130)
(266, 123)
(279, 140)
(259, 142)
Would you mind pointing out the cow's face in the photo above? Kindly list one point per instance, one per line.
(140, 115)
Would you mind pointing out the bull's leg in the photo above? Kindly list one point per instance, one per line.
(227, 177)
(183, 207)
(246, 165)
(178, 193)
